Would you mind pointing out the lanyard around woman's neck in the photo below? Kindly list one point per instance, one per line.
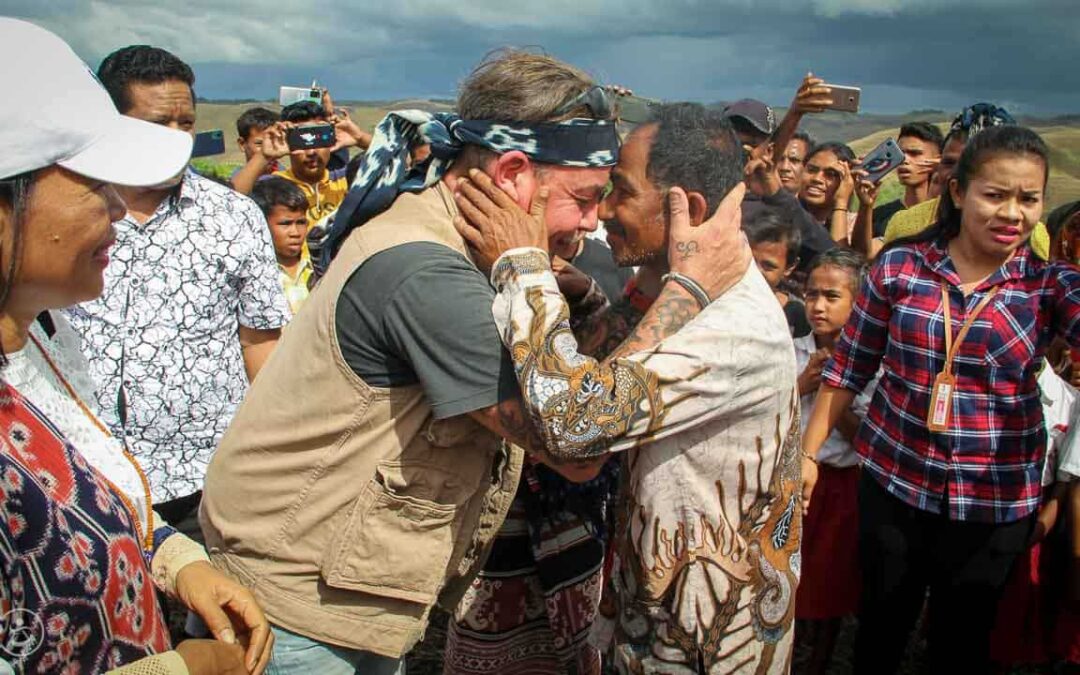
(940, 413)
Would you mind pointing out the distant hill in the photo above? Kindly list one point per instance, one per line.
(861, 131)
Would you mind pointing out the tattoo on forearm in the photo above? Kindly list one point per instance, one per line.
(673, 309)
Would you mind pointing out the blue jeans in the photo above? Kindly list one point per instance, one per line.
(296, 654)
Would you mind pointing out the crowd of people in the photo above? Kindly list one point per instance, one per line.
(404, 374)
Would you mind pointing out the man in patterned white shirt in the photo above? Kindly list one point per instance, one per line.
(192, 305)
(707, 545)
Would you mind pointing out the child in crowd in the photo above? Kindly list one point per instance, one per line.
(251, 126)
(285, 208)
(775, 241)
(829, 588)
(1037, 622)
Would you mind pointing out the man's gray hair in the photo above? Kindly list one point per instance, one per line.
(518, 86)
(696, 149)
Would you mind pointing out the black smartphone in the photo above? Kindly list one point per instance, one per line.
(312, 136)
(881, 160)
(208, 143)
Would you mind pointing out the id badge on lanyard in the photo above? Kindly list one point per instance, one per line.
(939, 417)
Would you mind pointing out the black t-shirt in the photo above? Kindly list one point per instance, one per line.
(596, 260)
(421, 313)
(883, 213)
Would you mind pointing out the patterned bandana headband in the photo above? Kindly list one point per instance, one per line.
(386, 172)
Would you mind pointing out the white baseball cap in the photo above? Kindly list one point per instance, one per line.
(55, 111)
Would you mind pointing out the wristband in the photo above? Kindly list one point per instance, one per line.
(807, 456)
(692, 287)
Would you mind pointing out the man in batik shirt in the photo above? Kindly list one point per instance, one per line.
(707, 545)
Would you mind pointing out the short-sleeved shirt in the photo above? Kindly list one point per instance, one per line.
(420, 313)
(177, 289)
(987, 467)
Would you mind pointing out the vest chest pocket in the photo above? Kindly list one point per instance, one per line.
(397, 539)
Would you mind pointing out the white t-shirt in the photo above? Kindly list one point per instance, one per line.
(837, 451)
(1059, 401)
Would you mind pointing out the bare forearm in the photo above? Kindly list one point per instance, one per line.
(672, 309)
(256, 346)
(848, 425)
(829, 406)
(245, 179)
(510, 421)
(863, 234)
(838, 225)
(789, 126)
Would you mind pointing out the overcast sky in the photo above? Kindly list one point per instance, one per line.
(905, 54)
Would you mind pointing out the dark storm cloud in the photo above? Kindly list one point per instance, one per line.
(905, 53)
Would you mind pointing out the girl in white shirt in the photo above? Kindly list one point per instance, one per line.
(829, 587)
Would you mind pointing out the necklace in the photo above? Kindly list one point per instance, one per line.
(146, 538)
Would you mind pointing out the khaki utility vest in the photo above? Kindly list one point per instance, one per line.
(348, 509)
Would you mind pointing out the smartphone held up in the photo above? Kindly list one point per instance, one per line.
(208, 143)
(844, 98)
(311, 136)
(289, 95)
(883, 159)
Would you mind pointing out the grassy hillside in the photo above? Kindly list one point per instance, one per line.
(862, 132)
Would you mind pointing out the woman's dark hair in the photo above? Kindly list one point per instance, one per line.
(14, 198)
(696, 149)
(842, 151)
(843, 258)
(1060, 216)
(988, 143)
(278, 191)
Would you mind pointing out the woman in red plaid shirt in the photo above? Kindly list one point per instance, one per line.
(951, 448)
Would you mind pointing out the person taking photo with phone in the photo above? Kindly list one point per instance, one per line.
(921, 143)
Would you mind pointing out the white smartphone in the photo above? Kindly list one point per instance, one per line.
(290, 95)
(845, 99)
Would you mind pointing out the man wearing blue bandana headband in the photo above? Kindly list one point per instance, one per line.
(365, 475)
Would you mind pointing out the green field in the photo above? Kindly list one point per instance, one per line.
(862, 132)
